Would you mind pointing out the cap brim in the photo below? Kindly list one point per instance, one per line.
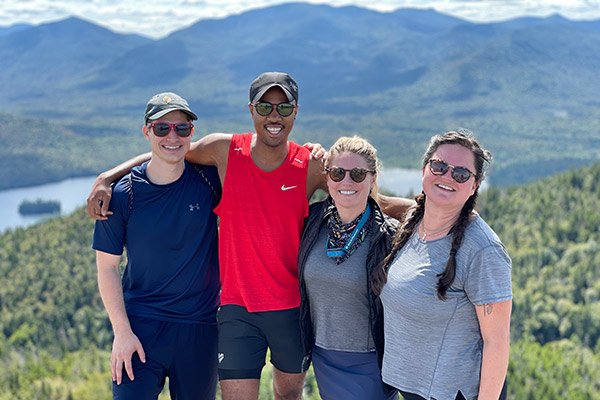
(262, 91)
(168, 110)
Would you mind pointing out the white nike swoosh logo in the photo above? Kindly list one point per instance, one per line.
(284, 188)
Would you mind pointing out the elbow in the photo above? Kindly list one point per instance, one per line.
(499, 342)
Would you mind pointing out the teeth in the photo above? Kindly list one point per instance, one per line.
(171, 147)
(347, 192)
(274, 130)
(446, 187)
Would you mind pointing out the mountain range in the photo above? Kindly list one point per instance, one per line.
(527, 87)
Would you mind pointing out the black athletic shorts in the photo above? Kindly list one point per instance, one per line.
(244, 337)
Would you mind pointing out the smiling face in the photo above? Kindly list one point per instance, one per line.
(169, 149)
(444, 191)
(273, 129)
(350, 197)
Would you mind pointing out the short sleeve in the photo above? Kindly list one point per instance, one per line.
(488, 279)
(210, 175)
(109, 235)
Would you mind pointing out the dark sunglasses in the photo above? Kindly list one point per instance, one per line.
(162, 129)
(459, 174)
(265, 108)
(338, 174)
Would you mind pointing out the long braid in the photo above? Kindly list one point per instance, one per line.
(482, 159)
(400, 239)
(458, 231)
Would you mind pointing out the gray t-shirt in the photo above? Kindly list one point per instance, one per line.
(339, 306)
(433, 348)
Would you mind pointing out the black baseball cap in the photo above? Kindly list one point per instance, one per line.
(269, 79)
(163, 103)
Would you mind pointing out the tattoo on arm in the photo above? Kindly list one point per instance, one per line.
(487, 309)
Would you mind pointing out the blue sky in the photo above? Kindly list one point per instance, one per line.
(158, 18)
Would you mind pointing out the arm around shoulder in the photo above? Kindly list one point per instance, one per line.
(395, 207)
(212, 149)
(97, 201)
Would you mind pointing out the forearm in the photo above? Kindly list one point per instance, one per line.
(493, 369)
(99, 198)
(395, 207)
(111, 292)
(124, 168)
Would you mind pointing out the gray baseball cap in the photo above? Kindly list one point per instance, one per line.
(163, 103)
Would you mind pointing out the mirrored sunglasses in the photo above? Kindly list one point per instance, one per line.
(459, 174)
(265, 108)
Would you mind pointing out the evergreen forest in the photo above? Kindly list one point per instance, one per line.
(55, 337)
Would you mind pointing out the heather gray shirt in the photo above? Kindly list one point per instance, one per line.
(433, 348)
(339, 305)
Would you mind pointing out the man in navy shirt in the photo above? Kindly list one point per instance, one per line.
(163, 310)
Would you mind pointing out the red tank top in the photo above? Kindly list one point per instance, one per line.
(261, 220)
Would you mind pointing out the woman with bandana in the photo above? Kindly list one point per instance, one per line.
(345, 237)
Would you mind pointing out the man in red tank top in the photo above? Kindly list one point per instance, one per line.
(267, 181)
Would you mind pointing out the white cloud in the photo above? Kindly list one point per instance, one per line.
(157, 18)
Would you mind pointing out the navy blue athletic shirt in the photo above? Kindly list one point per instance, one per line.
(170, 233)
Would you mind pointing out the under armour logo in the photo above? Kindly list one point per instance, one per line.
(194, 206)
(221, 357)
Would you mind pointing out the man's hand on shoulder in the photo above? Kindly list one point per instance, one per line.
(99, 198)
(97, 201)
(317, 151)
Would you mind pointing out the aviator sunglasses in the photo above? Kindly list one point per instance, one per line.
(265, 108)
(459, 174)
(162, 129)
(358, 175)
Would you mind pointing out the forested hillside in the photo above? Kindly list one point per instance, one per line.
(55, 337)
(552, 231)
(38, 151)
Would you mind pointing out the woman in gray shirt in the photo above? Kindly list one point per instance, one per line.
(345, 237)
(446, 286)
